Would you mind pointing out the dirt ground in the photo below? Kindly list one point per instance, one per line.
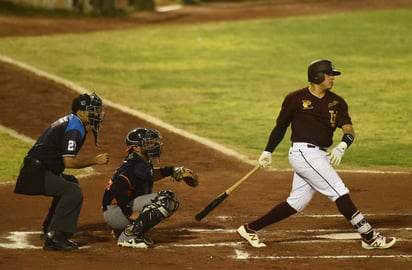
(30, 103)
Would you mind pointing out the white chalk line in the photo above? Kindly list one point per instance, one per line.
(209, 143)
(17, 135)
(243, 255)
(20, 240)
(275, 231)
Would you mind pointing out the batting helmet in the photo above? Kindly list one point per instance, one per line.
(318, 68)
(149, 140)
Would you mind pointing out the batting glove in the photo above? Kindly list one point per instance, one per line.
(265, 160)
(337, 153)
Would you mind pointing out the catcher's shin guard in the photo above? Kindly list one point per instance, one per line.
(163, 206)
(147, 220)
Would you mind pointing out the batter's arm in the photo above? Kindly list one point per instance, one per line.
(347, 139)
(276, 136)
(348, 128)
(348, 134)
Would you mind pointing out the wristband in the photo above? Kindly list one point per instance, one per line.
(166, 171)
(348, 138)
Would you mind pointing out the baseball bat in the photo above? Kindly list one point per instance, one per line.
(222, 196)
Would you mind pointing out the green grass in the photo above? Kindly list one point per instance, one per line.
(12, 152)
(226, 81)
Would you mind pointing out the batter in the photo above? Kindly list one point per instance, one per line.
(314, 113)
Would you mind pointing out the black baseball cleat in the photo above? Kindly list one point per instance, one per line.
(58, 241)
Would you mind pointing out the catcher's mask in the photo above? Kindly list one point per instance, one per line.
(149, 140)
(318, 68)
(93, 104)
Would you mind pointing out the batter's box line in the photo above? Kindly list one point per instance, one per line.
(20, 240)
(239, 244)
(275, 231)
(339, 216)
(243, 255)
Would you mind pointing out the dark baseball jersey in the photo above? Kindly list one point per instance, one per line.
(63, 138)
(132, 179)
(313, 120)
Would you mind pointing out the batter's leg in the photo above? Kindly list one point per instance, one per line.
(281, 211)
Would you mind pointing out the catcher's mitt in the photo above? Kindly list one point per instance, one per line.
(185, 174)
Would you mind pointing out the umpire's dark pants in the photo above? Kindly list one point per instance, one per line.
(69, 198)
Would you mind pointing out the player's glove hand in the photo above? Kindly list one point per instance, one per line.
(265, 160)
(185, 174)
(337, 153)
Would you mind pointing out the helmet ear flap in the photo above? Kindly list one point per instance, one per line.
(318, 68)
(318, 78)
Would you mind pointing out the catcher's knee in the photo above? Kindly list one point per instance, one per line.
(166, 202)
(162, 206)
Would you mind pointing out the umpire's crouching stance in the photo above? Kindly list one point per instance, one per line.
(42, 169)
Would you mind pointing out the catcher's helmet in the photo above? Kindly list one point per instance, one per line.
(318, 68)
(149, 140)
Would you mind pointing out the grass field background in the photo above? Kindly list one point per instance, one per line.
(226, 81)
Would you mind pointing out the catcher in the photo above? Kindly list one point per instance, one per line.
(130, 207)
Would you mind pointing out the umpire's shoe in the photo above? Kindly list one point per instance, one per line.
(58, 241)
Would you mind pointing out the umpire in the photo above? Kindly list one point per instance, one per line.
(42, 169)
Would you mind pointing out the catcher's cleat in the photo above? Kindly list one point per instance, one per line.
(250, 235)
(378, 242)
(58, 242)
(136, 242)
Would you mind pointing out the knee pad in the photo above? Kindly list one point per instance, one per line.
(166, 202)
(162, 206)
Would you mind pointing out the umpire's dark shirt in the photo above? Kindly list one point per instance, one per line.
(63, 138)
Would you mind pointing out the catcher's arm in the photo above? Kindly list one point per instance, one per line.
(160, 173)
(177, 173)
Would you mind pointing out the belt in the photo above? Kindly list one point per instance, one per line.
(29, 159)
(309, 145)
(314, 146)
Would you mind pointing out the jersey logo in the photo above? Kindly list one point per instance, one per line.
(307, 104)
(333, 104)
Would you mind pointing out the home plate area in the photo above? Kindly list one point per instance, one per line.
(281, 244)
